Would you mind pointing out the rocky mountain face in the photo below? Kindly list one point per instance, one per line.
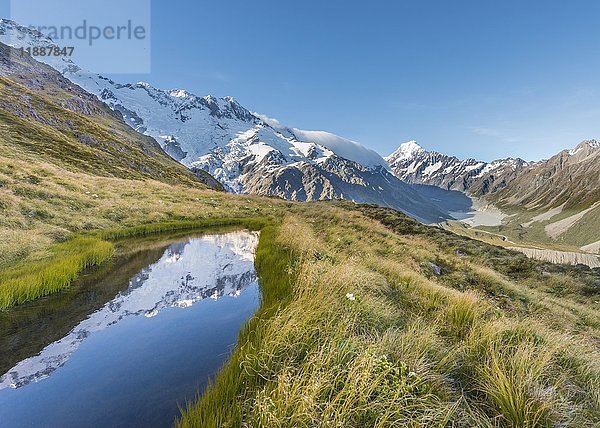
(560, 196)
(555, 200)
(569, 179)
(413, 164)
(246, 152)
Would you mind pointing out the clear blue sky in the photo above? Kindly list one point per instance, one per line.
(478, 78)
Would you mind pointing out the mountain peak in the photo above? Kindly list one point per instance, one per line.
(406, 151)
(179, 93)
(410, 146)
(14, 31)
(586, 146)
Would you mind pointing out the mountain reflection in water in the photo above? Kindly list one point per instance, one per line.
(210, 266)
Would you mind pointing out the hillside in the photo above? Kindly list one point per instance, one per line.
(414, 327)
(569, 179)
(557, 200)
(72, 128)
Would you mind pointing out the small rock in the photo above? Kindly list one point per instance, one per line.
(436, 269)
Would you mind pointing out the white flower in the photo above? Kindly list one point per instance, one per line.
(350, 296)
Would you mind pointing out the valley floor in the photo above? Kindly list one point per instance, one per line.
(368, 318)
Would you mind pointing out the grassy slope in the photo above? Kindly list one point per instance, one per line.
(573, 183)
(585, 231)
(510, 235)
(533, 235)
(493, 340)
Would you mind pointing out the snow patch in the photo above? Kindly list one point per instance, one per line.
(432, 168)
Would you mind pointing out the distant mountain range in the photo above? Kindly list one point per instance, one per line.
(413, 164)
(570, 178)
(556, 199)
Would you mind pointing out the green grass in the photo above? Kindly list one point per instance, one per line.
(40, 278)
(462, 314)
(509, 379)
(252, 223)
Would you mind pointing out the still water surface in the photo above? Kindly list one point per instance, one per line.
(132, 341)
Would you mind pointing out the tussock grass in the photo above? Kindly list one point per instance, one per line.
(513, 379)
(462, 313)
(37, 279)
(515, 367)
(252, 223)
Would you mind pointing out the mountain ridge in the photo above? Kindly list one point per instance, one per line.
(555, 200)
(413, 164)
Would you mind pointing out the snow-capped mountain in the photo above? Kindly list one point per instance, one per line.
(413, 164)
(176, 280)
(245, 151)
